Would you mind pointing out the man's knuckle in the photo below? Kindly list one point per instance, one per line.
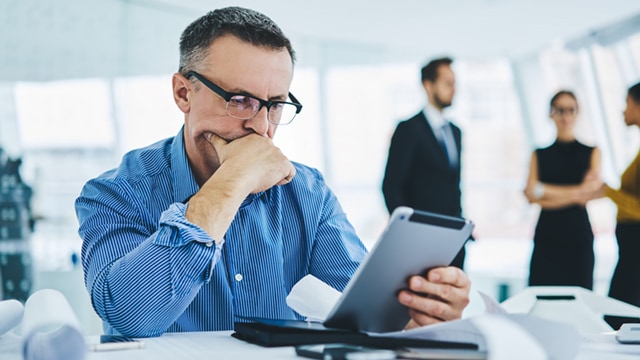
(444, 292)
(439, 310)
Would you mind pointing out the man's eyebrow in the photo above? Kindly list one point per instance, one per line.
(241, 91)
(279, 97)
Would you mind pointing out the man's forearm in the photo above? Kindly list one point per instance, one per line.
(144, 292)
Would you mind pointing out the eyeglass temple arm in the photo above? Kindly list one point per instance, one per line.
(298, 105)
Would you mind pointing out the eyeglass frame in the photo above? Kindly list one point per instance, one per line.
(226, 95)
(562, 110)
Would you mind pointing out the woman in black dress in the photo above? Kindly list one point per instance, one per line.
(561, 177)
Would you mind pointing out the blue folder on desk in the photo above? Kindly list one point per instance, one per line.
(271, 333)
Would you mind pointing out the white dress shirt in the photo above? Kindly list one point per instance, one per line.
(442, 129)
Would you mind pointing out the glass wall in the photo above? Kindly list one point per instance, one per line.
(350, 112)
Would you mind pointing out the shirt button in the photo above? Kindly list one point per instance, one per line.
(209, 244)
(238, 277)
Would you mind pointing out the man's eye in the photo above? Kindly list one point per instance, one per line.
(276, 107)
(241, 101)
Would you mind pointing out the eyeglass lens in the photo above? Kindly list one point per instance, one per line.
(245, 107)
(561, 111)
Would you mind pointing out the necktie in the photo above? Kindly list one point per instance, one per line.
(449, 144)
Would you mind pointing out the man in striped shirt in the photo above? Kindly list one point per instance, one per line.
(197, 231)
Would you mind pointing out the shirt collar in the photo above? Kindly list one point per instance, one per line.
(434, 117)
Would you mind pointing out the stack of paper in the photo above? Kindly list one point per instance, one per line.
(49, 327)
(500, 334)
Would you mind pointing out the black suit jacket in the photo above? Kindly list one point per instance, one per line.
(418, 174)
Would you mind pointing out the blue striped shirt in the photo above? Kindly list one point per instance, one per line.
(148, 270)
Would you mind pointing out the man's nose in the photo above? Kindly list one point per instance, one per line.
(260, 122)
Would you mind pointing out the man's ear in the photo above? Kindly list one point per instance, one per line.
(427, 85)
(181, 86)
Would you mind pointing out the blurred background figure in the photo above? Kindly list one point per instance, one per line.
(625, 283)
(16, 226)
(560, 177)
(423, 167)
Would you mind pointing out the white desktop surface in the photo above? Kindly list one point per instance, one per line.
(220, 345)
(176, 346)
(197, 345)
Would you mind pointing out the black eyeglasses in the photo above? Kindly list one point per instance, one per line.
(245, 107)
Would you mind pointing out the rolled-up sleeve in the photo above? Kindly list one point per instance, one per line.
(140, 281)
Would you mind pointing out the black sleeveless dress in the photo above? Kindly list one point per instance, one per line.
(563, 239)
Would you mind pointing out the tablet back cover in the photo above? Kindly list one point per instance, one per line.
(413, 242)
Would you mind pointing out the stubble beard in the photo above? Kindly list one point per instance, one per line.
(442, 104)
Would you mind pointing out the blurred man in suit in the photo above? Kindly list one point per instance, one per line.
(423, 167)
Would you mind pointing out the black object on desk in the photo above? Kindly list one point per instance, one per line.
(342, 351)
(617, 321)
(271, 333)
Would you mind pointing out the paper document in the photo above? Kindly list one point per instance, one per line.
(500, 334)
(312, 298)
(576, 306)
(10, 315)
(491, 306)
(49, 327)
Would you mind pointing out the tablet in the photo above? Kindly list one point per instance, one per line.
(413, 242)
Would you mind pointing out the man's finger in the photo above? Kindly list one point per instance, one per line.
(287, 179)
(449, 275)
(215, 139)
(426, 306)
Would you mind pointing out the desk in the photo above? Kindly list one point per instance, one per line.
(176, 346)
(220, 345)
(197, 345)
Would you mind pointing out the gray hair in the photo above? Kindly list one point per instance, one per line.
(245, 24)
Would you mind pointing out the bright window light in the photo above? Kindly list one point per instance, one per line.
(64, 114)
(145, 111)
